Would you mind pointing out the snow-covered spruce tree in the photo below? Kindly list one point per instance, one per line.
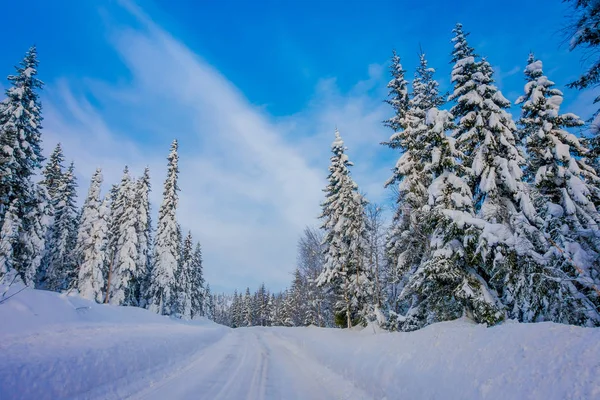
(144, 232)
(262, 311)
(20, 160)
(208, 307)
(184, 276)
(9, 237)
(247, 309)
(54, 176)
(561, 178)
(487, 137)
(166, 247)
(60, 265)
(446, 284)
(20, 129)
(345, 230)
(33, 235)
(585, 34)
(125, 276)
(407, 239)
(90, 249)
(399, 100)
(199, 295)
(297, 300)
(274, 310)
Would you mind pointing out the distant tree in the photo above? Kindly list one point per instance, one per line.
(200, 296)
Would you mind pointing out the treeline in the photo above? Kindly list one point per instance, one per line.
(495, 218)
(105, 250)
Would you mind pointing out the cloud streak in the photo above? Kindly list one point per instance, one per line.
(249, 183)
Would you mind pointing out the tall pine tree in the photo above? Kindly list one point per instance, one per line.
(144, 232)
(487, 137)
(184, 276)
(20, 160)
(199, 295)
(60, 265)
(345, 231)
(90, 249)
(125, 275)
(20, 130)
(161, 292)
(560, 176)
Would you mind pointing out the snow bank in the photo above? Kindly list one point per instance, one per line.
(461, 360)
(55, 346)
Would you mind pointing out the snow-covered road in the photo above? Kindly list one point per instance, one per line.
(252, 363)
(169, 361)
(64, 347)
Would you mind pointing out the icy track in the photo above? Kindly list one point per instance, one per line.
(54, 346)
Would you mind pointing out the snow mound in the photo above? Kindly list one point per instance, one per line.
(461, 360)
(56, 346)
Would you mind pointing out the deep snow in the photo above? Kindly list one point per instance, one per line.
(55, 346)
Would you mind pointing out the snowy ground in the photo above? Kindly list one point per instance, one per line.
(54, 347)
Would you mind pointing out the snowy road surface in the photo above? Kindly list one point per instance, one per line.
(252, 363)
(63, 347)
(113, 362)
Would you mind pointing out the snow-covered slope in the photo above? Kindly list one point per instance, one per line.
(54, 346)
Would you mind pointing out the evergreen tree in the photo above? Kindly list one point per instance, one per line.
(407, 242)
(184, 279)
(235, 311)
(209, 307)
(344, 225)
(33, 235)
(398, 97)
(297, 300)
(90, 249)
(200, 296)
(166, 249)
(60, 266)
(54, 175)
(20, 129)
(9, 236)
(125, 275)
(247, 309)
(144, 232)
(487, 138)
(446, 284)
(585, 34)
(20, 160)
(560, 176)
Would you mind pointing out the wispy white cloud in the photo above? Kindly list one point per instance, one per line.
(249, 182)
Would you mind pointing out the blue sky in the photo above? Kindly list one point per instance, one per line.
(253, 92)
